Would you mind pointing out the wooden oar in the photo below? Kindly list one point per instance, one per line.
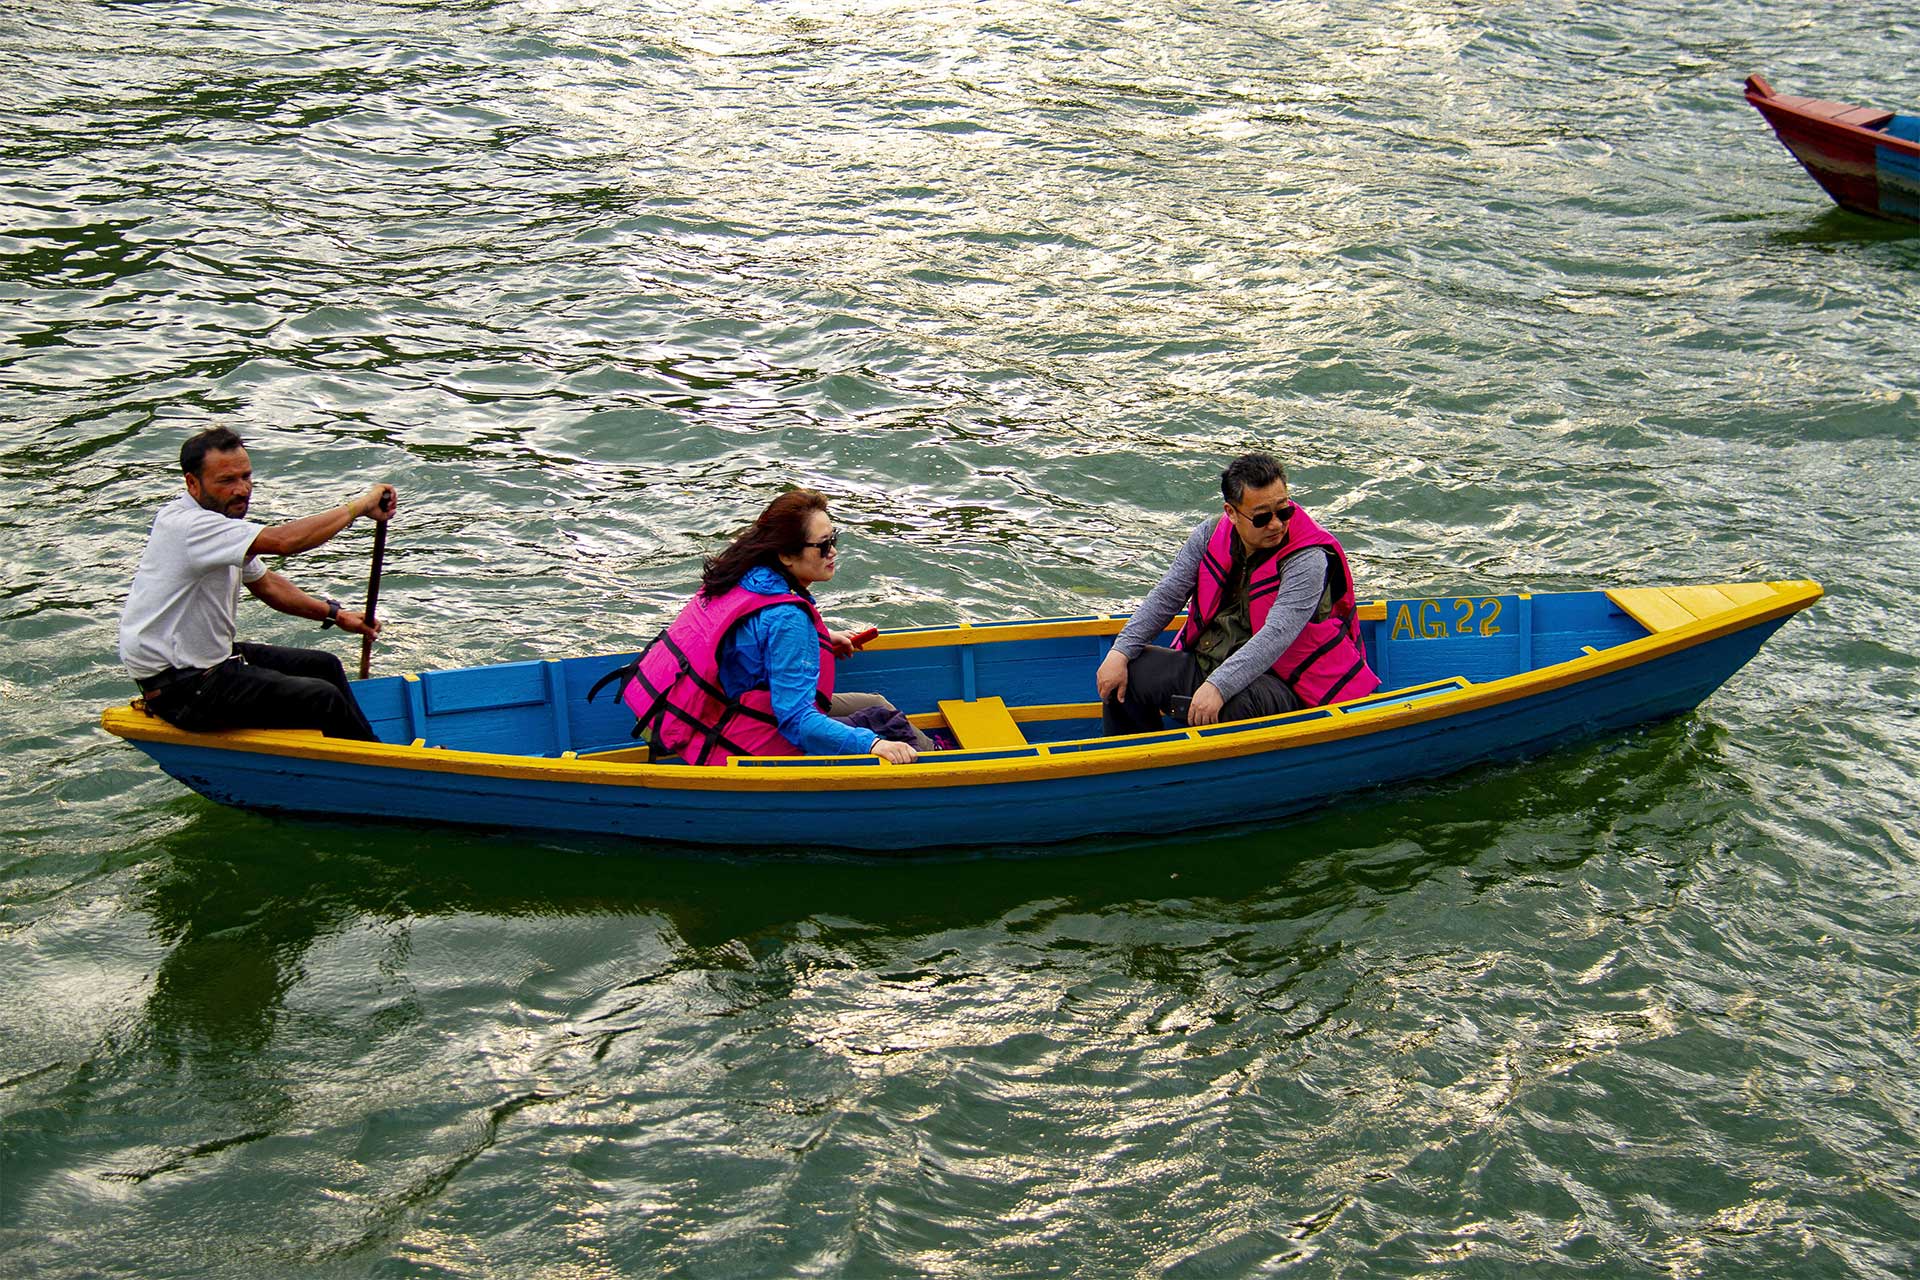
(373, 592)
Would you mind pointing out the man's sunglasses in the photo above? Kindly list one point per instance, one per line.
(826, 544)
(1261, 519)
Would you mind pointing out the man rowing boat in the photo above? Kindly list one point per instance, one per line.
(177, 630)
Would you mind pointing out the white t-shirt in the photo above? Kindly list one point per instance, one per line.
(180, 608)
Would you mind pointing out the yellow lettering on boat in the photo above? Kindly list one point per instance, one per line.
(1440, 619)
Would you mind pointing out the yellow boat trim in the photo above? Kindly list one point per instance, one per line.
(1756, 603)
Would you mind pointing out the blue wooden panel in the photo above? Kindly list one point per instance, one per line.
(1899, 182)
(1578, 611)
(524, 730)
(1566, 625)
(912, 679)
(1377, 658)
(384, 703)
(1036, 672)
(510, 684)
(605, 722)
(381, 698)
(556, 688)
(416, 711)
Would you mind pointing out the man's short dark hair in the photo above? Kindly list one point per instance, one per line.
(1250, 471)
(193, 454)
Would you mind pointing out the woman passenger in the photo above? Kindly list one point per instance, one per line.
(747, 666)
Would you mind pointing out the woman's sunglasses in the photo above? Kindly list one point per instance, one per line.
(1261, 519)
(826, 544)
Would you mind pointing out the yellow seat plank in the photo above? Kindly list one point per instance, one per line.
(1702, 602)
(982, 724)
(1746, 592)
(1651, 607)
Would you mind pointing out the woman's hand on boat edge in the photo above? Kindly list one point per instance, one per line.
(895, 752)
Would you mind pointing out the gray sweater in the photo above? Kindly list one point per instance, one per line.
(1302, 581)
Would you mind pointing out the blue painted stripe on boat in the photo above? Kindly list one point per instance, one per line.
(1247, 726)
(1899, 182)
(805, 762)
(1081, 617)
(1067, 748)
(945, 757)
(1388, 699)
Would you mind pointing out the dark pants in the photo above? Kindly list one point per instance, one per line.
(845, 704)
(265, 686)
(1158, 676)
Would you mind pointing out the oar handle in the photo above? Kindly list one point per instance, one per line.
(373, 591)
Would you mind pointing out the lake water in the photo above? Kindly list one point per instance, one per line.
(1525, 294)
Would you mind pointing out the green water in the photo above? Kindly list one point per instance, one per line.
(1526, 296)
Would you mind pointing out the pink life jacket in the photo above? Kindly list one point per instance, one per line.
(1326, 661)
(674, 689)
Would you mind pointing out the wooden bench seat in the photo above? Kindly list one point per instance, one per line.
(982, 724)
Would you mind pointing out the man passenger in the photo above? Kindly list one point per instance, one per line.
(1270, 617)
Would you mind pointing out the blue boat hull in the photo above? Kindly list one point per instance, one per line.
(1248, 788)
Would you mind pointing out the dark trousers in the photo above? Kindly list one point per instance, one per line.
(1158, 676)
(843, 705)
(265, 686)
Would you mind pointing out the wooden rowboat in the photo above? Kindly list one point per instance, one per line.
(1467, 678)
(1867, 159)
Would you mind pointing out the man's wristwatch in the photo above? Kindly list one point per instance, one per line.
(333, 614)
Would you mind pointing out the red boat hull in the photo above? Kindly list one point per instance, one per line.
(1862, 168)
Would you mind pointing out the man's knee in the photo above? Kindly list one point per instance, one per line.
(307, 664)
(1266, 696)
(1159, 675)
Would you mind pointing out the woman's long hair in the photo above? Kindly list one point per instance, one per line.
(781, 529)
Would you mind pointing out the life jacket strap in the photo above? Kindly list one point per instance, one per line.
(631, 673)
(622, 674)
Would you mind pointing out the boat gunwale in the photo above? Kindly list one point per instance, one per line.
(1772, 102)
(1346, 720)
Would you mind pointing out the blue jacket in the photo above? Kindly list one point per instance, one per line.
(778, 650)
